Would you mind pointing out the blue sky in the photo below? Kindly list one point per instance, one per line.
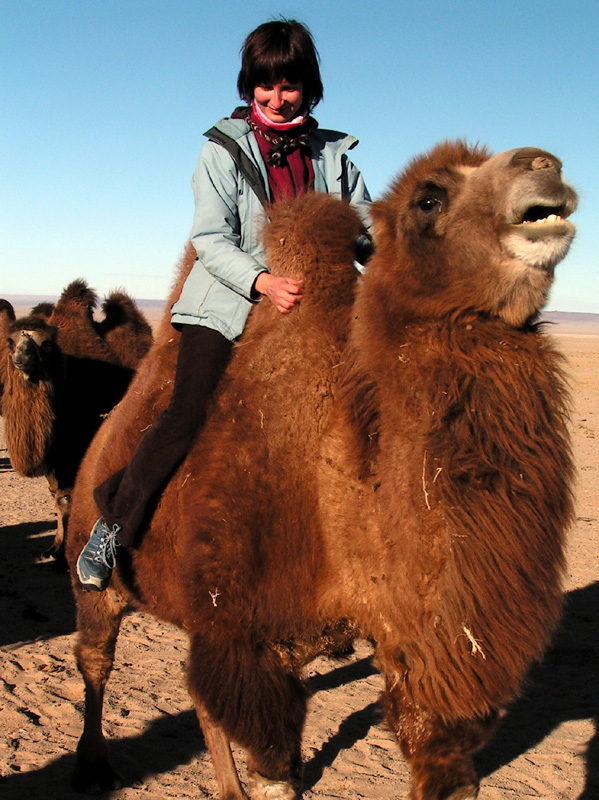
(103, 104)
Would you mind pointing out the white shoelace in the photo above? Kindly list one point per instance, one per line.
(107, 550)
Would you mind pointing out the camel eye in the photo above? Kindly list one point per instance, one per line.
(429, 204)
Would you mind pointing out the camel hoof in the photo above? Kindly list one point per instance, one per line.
(50, 552)
(56, 550)
(57, 558)
(261, 788)
(89, 778)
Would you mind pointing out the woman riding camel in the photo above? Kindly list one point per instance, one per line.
(268, 150)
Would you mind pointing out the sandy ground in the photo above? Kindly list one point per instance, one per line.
(547, 746)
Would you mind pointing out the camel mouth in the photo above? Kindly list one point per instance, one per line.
(548, 224)
(21, 365)
(538, 232)
(544, 215)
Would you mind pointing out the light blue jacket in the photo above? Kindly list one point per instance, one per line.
(229, 217)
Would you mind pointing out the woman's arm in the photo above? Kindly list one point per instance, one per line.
(216, 229)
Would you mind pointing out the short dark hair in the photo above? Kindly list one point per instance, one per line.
(280, 50)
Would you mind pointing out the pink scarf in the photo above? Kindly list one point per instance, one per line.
(261, 117)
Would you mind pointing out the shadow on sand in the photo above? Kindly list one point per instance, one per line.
(36, 601)
(564, 687)
(165, 744)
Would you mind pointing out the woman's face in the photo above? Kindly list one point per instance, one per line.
(279, 102)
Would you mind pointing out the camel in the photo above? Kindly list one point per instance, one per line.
(391, 459)
(7, 317)
(61, 376)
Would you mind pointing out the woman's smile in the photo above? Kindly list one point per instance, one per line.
(279, 102)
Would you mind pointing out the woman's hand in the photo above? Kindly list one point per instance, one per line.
(283, 293)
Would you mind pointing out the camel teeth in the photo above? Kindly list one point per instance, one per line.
(546, 220)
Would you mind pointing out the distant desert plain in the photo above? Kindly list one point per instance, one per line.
(546, 747)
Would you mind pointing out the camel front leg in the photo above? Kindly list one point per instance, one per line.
(62, 500)
(98, 620)
(227, 778)
(439, 753)
(257, 703)
(219, 747)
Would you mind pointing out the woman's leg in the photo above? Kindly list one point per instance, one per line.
(125, 497)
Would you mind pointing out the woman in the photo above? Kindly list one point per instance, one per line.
(269, 150)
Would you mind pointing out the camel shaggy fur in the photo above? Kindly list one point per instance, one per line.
(43, 310)
(61, 377)
(125, 329)
(396, 463)
(7, 317)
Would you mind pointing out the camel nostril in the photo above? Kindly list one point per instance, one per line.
(542, 162)
(534, 159)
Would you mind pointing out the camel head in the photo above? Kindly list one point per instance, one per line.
(461, 232)
(35, 353)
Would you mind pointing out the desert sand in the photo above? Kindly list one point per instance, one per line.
(546, 747)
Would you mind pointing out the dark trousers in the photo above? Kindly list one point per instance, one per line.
(127, 498)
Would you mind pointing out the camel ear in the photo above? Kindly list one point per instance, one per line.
(383, 227)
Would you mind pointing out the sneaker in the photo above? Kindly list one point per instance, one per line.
(98, 557)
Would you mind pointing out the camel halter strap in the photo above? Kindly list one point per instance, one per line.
(30, 338)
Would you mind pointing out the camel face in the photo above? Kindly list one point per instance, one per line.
(471, 232)
(32, 349)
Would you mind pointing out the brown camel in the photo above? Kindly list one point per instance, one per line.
(61, 377)
(397, 463)
(7, 317)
